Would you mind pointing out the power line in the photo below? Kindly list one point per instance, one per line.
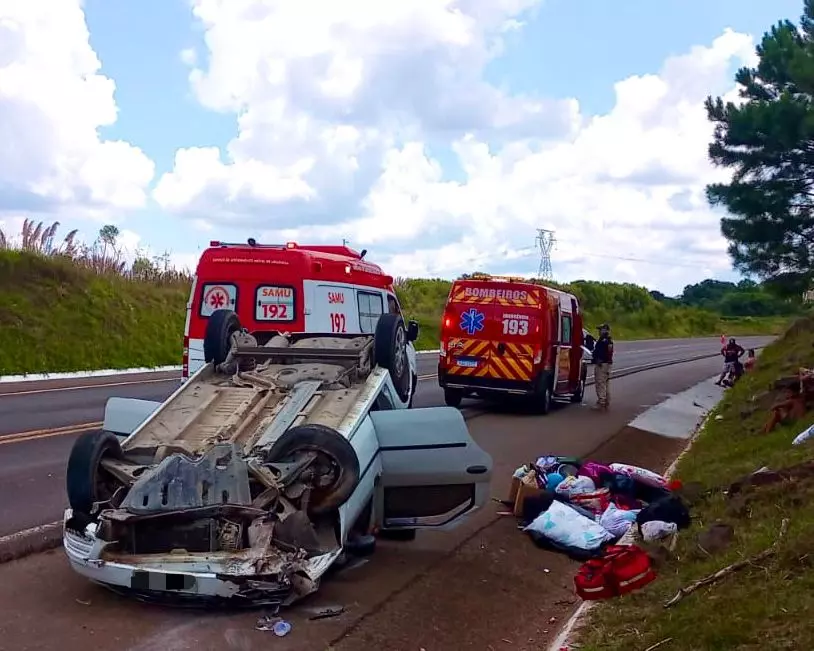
(545, 241)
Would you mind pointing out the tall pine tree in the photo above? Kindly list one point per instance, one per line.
(768, 143)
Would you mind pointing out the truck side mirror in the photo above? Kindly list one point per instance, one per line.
(412, 330)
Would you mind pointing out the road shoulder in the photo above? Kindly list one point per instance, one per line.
(499, 591)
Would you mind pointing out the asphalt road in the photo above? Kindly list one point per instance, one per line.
(39, 421)
(471, 588)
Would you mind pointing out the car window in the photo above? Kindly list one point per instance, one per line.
(371, 308)
(566, 330)
(216, 296)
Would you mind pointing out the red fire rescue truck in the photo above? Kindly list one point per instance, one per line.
(505, 336)
(278, 288)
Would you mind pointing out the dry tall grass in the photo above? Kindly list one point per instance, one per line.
(102, 256)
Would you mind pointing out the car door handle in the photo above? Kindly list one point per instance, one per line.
(477, 470)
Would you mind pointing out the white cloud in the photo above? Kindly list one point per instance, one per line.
(342, 110)
(53, 100)
(323, 89)
(625, 194)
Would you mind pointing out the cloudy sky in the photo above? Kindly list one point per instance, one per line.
(438, 134)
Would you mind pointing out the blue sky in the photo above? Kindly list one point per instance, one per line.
(565, 49)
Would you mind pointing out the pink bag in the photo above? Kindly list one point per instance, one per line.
(595, 471)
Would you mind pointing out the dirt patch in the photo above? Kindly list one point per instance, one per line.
(635, 446)
(499, 591)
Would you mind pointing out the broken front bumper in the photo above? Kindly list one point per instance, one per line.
(221, 575)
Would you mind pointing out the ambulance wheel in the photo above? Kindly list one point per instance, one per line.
(541, 401)
(336, 467)
(453, 397)
(87, 483)
(579, 394)
(390, 352)
(220, 327)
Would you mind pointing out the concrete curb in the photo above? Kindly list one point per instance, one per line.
(38, 377)
(564, 639)
(30, 541)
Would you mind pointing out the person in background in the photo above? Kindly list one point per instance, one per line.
(602, 359)
(732, 354)
(750, 360)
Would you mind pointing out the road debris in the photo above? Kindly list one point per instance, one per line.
(275, 624)
(325, 613)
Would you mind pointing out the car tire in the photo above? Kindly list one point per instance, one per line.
(330, 443)
(83, 478)
(390, 352)
(220, 327)
(453, 397)
(403, 535)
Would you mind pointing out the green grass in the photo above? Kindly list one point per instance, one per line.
(766, 606)
(58, 314)
(632, 312)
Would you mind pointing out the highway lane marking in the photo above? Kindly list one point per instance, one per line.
(30, 392)
(37, 434)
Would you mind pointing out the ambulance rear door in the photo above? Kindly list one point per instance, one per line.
(518, 327)
(467, 329)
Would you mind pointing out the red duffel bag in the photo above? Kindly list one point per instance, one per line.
(621, 569)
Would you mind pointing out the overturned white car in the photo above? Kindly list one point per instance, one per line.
(268, 466)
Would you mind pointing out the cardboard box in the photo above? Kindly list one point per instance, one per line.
(525, 490)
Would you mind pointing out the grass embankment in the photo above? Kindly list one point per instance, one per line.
(57, 314)
(632, 312)
(770, 604)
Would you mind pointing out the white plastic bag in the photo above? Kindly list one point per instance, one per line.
(656, 530)
(617, 521)
(803, 436)
(571, 486)
(642, 474)
(565, 526)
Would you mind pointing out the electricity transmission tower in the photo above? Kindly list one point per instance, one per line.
(545, 242)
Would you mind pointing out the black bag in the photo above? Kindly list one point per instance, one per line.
(666, 509)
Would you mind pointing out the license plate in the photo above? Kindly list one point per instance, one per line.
(145, 580)
(467, 362)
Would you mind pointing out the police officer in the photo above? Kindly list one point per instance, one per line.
(602, 360)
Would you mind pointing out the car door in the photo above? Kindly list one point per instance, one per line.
(433, 473)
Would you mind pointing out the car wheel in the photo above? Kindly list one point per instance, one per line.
(220, 327)
(337, 464)
(87, 482)
(453, 397)
(390, 352)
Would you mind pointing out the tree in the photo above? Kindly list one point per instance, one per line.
(768, 142)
